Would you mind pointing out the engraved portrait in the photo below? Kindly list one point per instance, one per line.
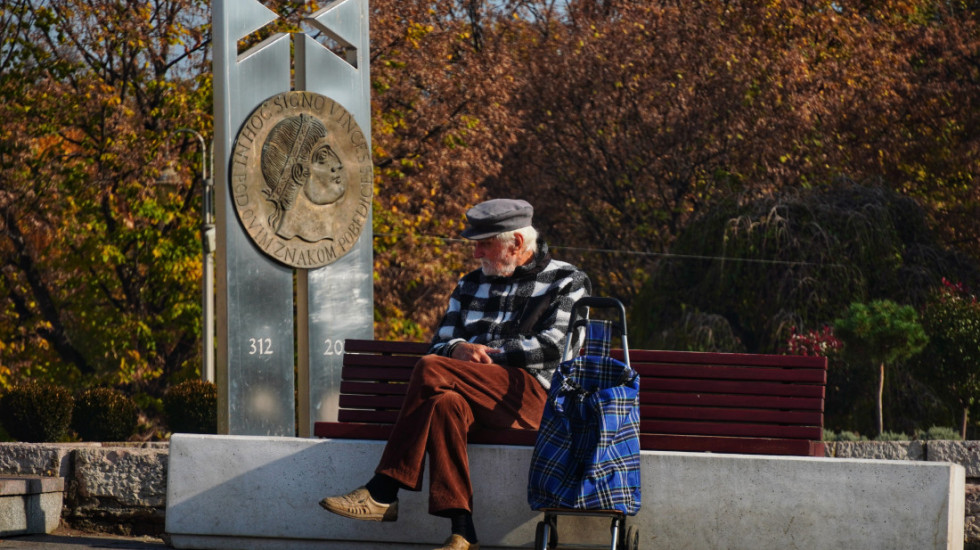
(297, 157)
(302, 179)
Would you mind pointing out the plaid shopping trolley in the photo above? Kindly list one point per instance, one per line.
(587, 457)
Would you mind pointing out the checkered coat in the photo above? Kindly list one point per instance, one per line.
(526, 315)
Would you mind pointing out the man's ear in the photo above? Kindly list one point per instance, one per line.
(518, 242)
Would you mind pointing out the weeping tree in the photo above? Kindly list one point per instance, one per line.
(881, 333)
(743, 274)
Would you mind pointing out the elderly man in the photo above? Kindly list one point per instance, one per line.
(490, 365)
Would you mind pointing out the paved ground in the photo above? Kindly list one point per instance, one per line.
(66, 539)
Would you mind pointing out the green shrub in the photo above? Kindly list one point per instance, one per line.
(37, 413)
(192, 407)
(892, 436)
(938, 433)
(843, 436)
(105, 414)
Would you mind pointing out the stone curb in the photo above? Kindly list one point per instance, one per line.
(122, 487)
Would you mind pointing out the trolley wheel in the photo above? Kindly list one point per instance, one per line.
(631, 540)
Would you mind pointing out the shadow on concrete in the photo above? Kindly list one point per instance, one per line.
(67, 541)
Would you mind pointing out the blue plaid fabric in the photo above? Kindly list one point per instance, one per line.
(587, 455)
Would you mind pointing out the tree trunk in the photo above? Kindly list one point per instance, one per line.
(966, 417)
(881, 391)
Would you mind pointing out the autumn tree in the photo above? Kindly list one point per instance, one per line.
(442, 82)
(621, 121)
(638, 115)
(16, 77)
(96, 264)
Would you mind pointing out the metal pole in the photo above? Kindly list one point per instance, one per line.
(208, 242)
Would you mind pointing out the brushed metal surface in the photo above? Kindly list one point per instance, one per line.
(255, 367)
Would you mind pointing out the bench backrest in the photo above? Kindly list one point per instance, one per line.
(689, 401)
(731, 402)
(373, 381)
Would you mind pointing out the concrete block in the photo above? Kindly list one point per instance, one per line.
(30, 504)
(251, 492)
(743, 502)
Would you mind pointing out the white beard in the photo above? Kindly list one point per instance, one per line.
(499, 268)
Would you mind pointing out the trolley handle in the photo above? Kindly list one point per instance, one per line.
(597, 302)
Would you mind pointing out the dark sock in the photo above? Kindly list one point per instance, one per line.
(383, 489)
(463, 524)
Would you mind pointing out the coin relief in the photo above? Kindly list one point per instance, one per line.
(302, 179)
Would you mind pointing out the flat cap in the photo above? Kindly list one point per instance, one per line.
(497, 216)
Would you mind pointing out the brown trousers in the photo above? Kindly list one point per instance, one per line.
(445, 398)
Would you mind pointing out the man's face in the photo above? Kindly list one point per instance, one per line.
(497, 258)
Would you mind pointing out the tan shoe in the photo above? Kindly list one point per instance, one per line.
(358, 504)
(457, 542)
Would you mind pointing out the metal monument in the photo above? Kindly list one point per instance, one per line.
(294, 184)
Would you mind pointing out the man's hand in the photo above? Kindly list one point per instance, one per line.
(477, 353)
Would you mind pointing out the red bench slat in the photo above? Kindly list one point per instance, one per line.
(729, 386)
(359, 372)
(732, 372)
(727, 400)
(381, 361)
(351, 430)
(710, 358)
(730, 429)
(371, 388)
(732, 415)
(367, 417)
(372, 401)
(385, 347)
(743, 445)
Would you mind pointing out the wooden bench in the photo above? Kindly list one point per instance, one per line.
(689, 401)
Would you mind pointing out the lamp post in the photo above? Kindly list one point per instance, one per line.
(208, 243)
